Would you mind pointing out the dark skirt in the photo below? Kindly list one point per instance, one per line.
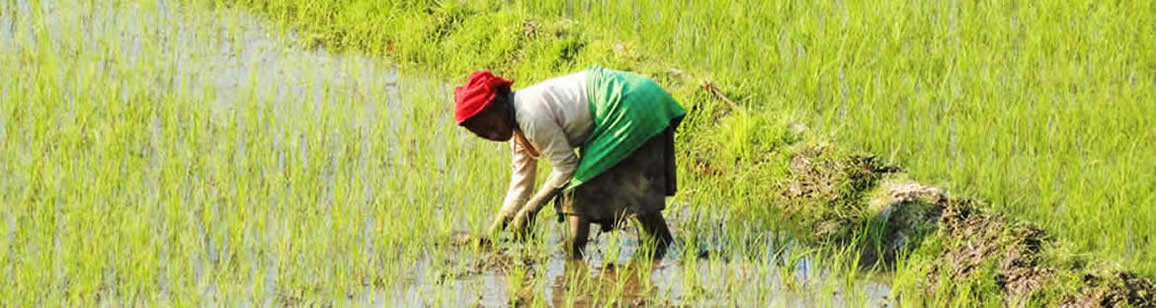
(638, 185)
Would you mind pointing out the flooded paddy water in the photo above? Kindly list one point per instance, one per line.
(156, 152)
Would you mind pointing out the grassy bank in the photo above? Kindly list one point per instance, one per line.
(1042, 108)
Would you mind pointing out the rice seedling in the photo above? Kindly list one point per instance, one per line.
(193, 153)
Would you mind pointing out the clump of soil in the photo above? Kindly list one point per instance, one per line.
(836, 195)
(824, 191)
(901, 214)
(1114, 290)
(1000, 251)
(975, 240)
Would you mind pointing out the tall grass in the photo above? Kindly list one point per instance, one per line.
(152, 154)
(156, 153)
(1042, 108)
(182, 154)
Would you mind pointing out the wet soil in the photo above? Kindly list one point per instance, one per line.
(627, 279)
(975, 239)
(847, 192)
(1114, 290)
(825, 190)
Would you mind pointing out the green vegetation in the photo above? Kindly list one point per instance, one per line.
(144, 161)
(185, 155)
(1041, 108)
(156, 153)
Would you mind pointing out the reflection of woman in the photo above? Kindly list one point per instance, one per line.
(622, 126)
(577, 287)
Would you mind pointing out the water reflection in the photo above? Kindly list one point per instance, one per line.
(628, 285)
(229, 59)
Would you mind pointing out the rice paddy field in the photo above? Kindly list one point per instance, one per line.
(271, 152)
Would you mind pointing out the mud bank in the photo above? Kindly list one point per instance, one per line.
(959, 244)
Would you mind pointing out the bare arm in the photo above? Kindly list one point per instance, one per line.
(553, 145)
(524, 170)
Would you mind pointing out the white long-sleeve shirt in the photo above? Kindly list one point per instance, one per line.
(555, 118)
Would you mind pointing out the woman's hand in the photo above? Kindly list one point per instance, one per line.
(499, 224)
(524, 221)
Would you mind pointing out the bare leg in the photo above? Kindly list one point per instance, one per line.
(656, 233)
(576, 241)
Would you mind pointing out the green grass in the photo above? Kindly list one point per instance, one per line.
(156, 154)
(155, 159)
(1042, 108)
(135, 170)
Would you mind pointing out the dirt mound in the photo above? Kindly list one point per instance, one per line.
(1114, 290)
(975, 241)
(985, 249)
(826, 191)
(982, 248)
(823, 191)
(901, 213)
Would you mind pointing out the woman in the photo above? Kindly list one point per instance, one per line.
(622, 126)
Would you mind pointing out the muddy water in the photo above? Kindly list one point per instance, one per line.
(622, 280)
(228, 58)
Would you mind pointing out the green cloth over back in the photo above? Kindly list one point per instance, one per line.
(628, 109)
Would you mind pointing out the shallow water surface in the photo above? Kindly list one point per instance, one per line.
(324, 177)
(626, 279)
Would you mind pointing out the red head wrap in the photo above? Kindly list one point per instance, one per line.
(477, 94)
